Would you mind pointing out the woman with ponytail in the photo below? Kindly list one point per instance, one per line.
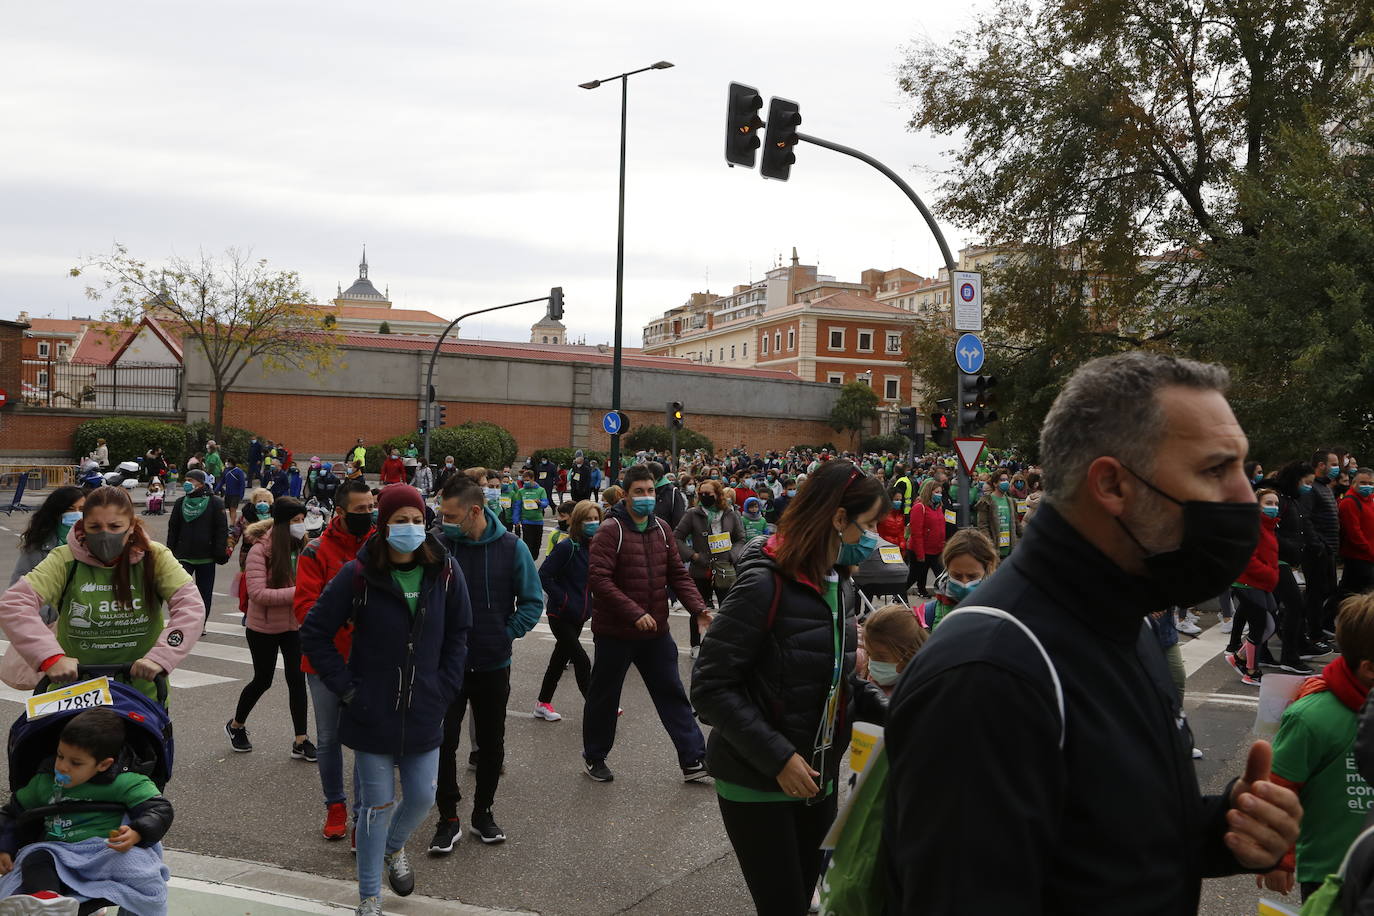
(121, 599)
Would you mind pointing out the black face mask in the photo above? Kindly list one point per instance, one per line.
(708, 499)
(1218, 541)
(358, 523)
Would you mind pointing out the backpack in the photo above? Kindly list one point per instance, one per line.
(854, 883)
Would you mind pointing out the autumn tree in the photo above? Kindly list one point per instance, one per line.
(235, 310)
(1125, 158)
(854, 409)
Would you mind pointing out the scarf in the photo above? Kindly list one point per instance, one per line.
(1340, 680)
(193, 507)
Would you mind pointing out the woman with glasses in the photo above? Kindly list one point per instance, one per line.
(775, 679)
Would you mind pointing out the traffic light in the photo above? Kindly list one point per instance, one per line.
(742, 125)
(939, 429)
(784, 117)
(424, 425)
(975, 402)
(556, 303)
(906, 423)
(675, 416)
(440, 414)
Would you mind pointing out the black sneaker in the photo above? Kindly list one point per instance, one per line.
(1294, 667)
(484, 827)
(446, 836)
(472, 761)
(598, 770)
(304, 750)
(694, 772)
(399, 874)
(238, 737)
(1315, 649)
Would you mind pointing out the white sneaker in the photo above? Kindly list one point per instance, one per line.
(1197, 754)
(1189, 628)
(1226, 625)
(546, 712)
(371, 906)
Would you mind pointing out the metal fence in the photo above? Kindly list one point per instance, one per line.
(150, 387)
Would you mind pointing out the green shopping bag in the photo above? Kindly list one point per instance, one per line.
(1327, 900)
(854, 883)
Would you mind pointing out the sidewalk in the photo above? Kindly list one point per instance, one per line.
(214, 886)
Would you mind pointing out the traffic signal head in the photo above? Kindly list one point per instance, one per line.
(906, 423)
(939, 428)
(742, 125)
(975, 401)
(556, 303)
(784, 117)
(440, 415)
(675, 415)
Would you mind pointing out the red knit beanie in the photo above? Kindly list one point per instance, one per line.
(397, 496)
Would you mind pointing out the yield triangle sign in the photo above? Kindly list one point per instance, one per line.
(969, 450)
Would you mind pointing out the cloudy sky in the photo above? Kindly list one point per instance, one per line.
(453, 140)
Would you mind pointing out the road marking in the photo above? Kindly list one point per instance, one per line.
(225, 629)
(1203, 649)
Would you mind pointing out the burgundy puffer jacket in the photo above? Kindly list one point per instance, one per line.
(629, 574)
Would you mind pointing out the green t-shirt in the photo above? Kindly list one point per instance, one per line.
(1315, 746)
(214, 464)
(534, 493)
(127, 789)
(753, 527)
(408, 581)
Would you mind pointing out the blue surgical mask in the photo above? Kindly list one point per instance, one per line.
(1332, 473)
(961, 590)
(188, 487)
(263, 508)
(791, 493)
(590, 528)
(1258, 478)
(936, 499)
(644, 505)
(1270, 511)
(1305, 488)
(1004, 485)
(856, 553)
(884, 674)
(493, 493)
(1365, 489)
(405, 538)
(70, 518)
(374, 516)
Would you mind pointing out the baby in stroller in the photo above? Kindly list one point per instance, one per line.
(155, 497)
(84, 831)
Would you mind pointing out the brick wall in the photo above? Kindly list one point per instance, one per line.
(760, 434)
(29, 433)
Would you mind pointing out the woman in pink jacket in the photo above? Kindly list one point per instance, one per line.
(927, 536)
(110, 584)
(272, 625)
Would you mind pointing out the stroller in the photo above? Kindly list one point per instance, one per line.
(882, 575)
(148, 747)
(125, 475)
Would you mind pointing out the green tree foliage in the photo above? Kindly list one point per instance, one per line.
(892, 442)
(1127, 159)
(128, 438)
(384, 328)
(660, 438)
(854, 409)
(563, 457)
(233, 442)
(473, 444)
(235, 310)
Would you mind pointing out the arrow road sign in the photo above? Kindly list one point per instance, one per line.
(969, 449)
(968, 353)
(613, 422)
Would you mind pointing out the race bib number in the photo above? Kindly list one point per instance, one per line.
(950, 517)
(1004, 538)
(505, 502)
(86, 695)
(718, 543)
(531, 504)
(891, 555)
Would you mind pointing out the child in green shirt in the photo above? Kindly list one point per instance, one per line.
(87, 768)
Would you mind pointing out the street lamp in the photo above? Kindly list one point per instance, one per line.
(620, 251)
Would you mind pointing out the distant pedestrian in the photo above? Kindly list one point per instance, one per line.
(198, 533)
(564, 577)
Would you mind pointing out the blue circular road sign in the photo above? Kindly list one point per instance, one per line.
(613, 422)
(968, 353)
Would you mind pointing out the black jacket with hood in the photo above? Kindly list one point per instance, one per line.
(763, 686)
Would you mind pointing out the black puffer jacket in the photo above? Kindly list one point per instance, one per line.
(763, 688)
(206, 538)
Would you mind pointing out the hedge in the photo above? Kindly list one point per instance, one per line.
(827, 446)
(563, 457)
(233, 442)
(892, 442)
(128, 438)
(472, 444)
(660, 439)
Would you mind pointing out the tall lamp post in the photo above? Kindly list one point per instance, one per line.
(620, 252)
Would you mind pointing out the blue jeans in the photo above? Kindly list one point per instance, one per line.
(385, 825)
(327, 710)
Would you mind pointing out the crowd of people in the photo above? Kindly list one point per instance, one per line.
(1050, 705)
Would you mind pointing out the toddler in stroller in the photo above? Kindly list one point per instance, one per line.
(83, 828)
(155, 497)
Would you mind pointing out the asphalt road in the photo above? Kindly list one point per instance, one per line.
(645, 844)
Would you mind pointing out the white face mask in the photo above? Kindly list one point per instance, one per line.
(298, 530)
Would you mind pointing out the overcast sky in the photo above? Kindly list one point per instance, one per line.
(453, 140)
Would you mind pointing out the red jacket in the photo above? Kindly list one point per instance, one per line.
(393, 471)
(321, 559)
(629, 573)
(927, 537)
(1263, 570)
(892, 527)
(1357, 527)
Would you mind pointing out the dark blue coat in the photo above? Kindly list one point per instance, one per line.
(503, 589)
(403, 671)
(564, 575)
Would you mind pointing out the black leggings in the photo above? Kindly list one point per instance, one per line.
(778, 845)
(567, 649)
(40, 874)
(264, 648)
(533, 533)
(706, 589)
(1293, 618)
(919, 569)
(1255, 609)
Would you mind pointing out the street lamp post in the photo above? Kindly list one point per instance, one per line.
(620, 252)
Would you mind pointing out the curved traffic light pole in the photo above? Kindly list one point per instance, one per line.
(965, 490)
(434, 355)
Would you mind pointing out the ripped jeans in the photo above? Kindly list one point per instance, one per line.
(385, 825)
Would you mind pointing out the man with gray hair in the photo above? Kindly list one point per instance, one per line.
(1040, 762)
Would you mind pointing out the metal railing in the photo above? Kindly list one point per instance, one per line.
(148, 387)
